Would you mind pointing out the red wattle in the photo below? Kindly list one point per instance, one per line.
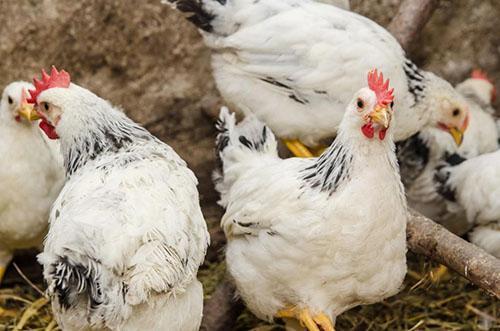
(49, 129)
(18, 118)
(381, 134)
(368, 130)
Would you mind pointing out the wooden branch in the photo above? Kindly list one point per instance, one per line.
(410, 19)
(434, 241)
(222, 309)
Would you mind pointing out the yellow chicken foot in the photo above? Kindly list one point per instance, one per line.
(5, 258)
(324, 322)
(297, 148)
(3, 269)
(438, 273)
(319, 322)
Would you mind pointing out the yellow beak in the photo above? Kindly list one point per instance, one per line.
(28, 112)
(380, 115)
(457, 134)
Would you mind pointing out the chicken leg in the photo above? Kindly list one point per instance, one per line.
(318, 322)
(297, 148)
(5, 258)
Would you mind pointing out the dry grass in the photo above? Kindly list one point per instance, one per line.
(453, 304)
(23, 308)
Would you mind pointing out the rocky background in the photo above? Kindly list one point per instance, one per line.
(145, 57)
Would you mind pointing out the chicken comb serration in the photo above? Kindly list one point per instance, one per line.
(55, 79)
(376, 83)
(480, 74)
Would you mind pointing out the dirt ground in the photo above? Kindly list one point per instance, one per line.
(145, 57)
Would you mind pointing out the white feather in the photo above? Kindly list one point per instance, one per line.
(480, 137)
(31, 175)
(294, 243)
(129, 215)
(314, 57)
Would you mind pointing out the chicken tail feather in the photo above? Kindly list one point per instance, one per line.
(74, 283)
(249, 135)
(442, 176)
(199, 12)
(237, 143)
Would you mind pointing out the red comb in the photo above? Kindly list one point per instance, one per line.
(480, 74)
(56, 79)
(376, 83)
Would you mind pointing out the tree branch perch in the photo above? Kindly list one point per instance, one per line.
(410, 19)
(430, 239)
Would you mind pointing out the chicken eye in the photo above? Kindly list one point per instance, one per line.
(392, 104)
(360, 103)
(45, 106)
(456, 112)
(10, 100)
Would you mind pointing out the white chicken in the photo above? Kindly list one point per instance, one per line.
(420, 155)
(31, 175)
(126, 234)
(344, 4)
(311, 238)
(474, 186)
(295, 64)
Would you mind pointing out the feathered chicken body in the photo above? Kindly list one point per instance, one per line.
(319, 235)
(295, 64)
(474, 186)
(126, 233)
(31, 175)
(422, 154)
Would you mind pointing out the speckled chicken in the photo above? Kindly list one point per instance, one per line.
(126, 234)
(470, 186)
(422, 154)
(31, 175)
(295, 65)
(309, 238)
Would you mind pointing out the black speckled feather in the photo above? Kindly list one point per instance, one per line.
(415, 78)
(413, 157)
(330, 170)
(197, 14)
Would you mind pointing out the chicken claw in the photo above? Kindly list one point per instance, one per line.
(297, 148)
(324, 322)
(437, 274)
(319, 322)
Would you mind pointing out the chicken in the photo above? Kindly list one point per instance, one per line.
(480, 88)
(420, 155)
(296, 63)
(480, 94)
(31, 175)
(344, 4)
(474, 186)
(126, 234)
(329, 233)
